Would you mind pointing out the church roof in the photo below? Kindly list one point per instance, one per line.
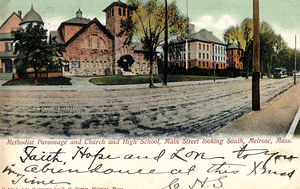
(137, 46)
(78, 20)
(32, 16)
(96, 21)
(118, 3)
(57, 36)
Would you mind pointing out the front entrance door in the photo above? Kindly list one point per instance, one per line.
(8, 65)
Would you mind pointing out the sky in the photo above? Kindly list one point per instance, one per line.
(213, 15)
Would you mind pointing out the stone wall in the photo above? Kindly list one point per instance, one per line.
(91, 53)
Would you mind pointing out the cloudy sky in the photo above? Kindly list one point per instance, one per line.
(214, 15)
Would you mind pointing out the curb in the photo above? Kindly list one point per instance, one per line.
(294, 125)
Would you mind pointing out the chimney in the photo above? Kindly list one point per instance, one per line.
(20, 14)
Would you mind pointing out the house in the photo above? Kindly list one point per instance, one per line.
(33, 18)
(204, 50)
(234, 54)
(95, 49)
(8, 60)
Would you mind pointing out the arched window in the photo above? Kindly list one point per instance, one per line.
(102, 44)
(94, 41)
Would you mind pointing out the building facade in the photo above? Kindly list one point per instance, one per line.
(204, 50)
(8, 60)
(234, 54)
(95, 49)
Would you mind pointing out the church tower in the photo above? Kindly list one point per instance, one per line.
(116, 12)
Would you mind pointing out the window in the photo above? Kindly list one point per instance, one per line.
(199, 55)
(203, 56)
(207, 47)
(203, 47)
(9, 47)
(102, 43)
(124, 12)
(67, 68)
(189, 55)
(120, 11)
(75, 64)
(207, 56)
(94, 41)
(112, 12)
(199, 46)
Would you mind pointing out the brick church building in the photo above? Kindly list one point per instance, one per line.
(95, 49)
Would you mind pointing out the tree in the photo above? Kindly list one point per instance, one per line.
(34, 50)
(147, 24)
(270, 44)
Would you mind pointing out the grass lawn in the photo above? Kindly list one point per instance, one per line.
(122, 80)
(41, 82)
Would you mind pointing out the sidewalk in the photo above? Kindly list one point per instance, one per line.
(274, 118)
(83, 84)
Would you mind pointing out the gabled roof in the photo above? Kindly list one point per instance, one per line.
(96, 21)
(9, 18)
(32, 16)
(119, 4)
(206, 36)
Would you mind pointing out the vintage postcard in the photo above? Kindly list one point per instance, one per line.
(149, 94)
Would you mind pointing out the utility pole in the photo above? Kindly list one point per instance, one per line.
(295, 60)
(165, 79)
(256, 58)
(186, 41)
